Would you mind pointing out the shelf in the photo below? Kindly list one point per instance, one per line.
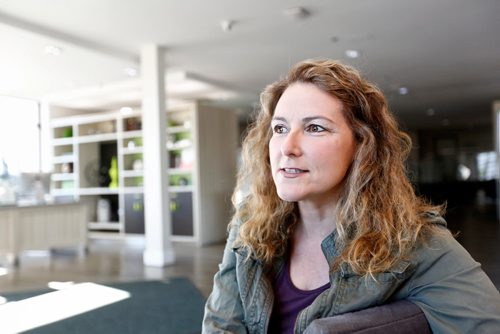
(133, 190)
(98, 191)
(131, 173)
(181, 145)
(179, 171)
(97, 138)
(135, 150)
(84, 191)
(178, 129)
(172, 189)
(63, 158)
(63, 177)
(62, 122)
(84, 118)
(62, 141)
(180, 189)
(132, 134)
(111, 226)
(95, 234)
(62, 192)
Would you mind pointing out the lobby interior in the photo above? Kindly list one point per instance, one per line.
(440, 74)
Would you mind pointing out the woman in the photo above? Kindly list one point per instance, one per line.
(331, 223)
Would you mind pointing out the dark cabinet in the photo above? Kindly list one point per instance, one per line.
(134, 213)
(181, 210)
(181, 213)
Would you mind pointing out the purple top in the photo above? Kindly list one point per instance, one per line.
(289, 301)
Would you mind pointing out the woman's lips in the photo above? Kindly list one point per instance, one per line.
(292, 172)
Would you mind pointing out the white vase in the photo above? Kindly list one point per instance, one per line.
(103, 210)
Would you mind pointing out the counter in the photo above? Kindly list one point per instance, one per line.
(41, 227)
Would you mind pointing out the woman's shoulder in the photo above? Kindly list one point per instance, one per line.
(438, 252)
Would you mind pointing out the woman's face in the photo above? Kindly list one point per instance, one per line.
(311, 147)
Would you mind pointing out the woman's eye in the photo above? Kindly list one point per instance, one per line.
(315, 128)
(279, 129)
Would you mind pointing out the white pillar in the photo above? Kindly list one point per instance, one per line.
(496, 138)
(46, 148)
(158, 251)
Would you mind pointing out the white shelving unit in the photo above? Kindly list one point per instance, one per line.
(76, 142)
(202, 144)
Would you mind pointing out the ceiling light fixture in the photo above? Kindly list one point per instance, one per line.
(227, 25)
(403, 90)
(353, 54)
(53, 50)
(296, 13)
(130, 71)
(430, 112)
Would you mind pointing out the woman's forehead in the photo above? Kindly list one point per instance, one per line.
(305, 100)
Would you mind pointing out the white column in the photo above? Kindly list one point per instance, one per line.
(496, 138)
(47, 149)
(159, 251)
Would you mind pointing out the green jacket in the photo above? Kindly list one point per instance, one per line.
(441, 277)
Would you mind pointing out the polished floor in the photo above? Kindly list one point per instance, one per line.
(113, 260)
(110, 260)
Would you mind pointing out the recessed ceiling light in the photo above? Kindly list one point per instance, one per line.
(403, 90)
(227, 25)
(130, 71)
(445, 122)
(353, 54)
(53, 50)
(296, 13)
(430, 112)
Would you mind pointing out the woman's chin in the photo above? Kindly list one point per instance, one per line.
(289, 197)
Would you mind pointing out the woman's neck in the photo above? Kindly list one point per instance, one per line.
(316, 221)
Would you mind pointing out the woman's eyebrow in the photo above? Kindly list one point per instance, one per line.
(305, 119)
(312, 118)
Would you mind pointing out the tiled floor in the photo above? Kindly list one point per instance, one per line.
(117, 260)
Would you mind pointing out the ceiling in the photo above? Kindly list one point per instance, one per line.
(445, 52)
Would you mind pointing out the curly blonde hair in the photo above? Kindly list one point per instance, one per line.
(378, 218)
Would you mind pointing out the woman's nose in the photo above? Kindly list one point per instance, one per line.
(291, 145)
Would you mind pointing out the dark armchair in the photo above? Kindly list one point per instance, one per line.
(402, 317)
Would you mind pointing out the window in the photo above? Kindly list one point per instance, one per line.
(487, 166)
(19, 135)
